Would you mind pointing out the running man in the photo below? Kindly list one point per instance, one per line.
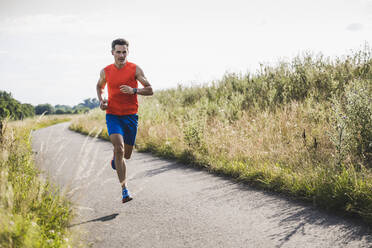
(122, 106)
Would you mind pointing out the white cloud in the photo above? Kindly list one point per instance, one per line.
(56, 24)
(38, 23)
(355, 27)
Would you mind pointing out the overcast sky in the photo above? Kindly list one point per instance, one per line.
(52, 51)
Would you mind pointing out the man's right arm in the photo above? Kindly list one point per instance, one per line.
(100, 86)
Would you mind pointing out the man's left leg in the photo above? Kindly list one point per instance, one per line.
(128, 149)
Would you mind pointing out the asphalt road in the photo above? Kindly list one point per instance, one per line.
(176, 205)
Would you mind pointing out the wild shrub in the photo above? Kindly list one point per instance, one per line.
(353, 120)
(358, 110)
(193, 135)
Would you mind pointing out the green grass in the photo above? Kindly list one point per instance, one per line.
(302, 128)
(32, 212)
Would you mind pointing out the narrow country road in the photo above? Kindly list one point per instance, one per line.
(178, 206)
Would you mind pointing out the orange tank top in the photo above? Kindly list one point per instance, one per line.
(120, 103)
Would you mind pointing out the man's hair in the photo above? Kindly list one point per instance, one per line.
(119, 42)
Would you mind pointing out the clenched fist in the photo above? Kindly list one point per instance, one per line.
(127, 89)
(103, 104)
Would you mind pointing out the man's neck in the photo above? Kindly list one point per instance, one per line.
(119, 66)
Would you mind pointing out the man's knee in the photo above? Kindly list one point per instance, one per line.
(128, 151)
(128, 154)
(119, 150)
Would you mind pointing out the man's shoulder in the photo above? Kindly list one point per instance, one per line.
(131, 64)
(108, 67)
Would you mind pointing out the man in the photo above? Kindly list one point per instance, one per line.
(122, 105)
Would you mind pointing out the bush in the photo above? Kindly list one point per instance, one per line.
(355, 125)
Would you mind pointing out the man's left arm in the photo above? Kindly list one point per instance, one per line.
(145, 91)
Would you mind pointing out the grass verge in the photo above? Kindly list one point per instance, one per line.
(32, 212)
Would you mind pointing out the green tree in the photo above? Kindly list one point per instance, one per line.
(28, 109)
(10, 107)
(90, 103)
(44, 108)
(62, 109)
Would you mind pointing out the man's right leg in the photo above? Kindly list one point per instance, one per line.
(118, 143)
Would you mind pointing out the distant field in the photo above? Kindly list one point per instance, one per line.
(303, 128)
(32, 212)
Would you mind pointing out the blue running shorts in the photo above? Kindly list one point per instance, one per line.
(126, 125)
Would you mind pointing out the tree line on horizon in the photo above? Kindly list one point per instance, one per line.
(12, 108)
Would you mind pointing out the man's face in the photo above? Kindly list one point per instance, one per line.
(120, 54)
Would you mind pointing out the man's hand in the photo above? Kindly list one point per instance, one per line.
(103, 104)
(126, 89)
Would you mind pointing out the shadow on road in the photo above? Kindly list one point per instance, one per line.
(297, 216)
(294, 216)
(296, 220)
(104, 218)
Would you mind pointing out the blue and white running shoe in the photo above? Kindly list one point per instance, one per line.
(126, 196)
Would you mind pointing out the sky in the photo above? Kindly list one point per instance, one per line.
(52, 51)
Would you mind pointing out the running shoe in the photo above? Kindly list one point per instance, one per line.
(126, 196)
